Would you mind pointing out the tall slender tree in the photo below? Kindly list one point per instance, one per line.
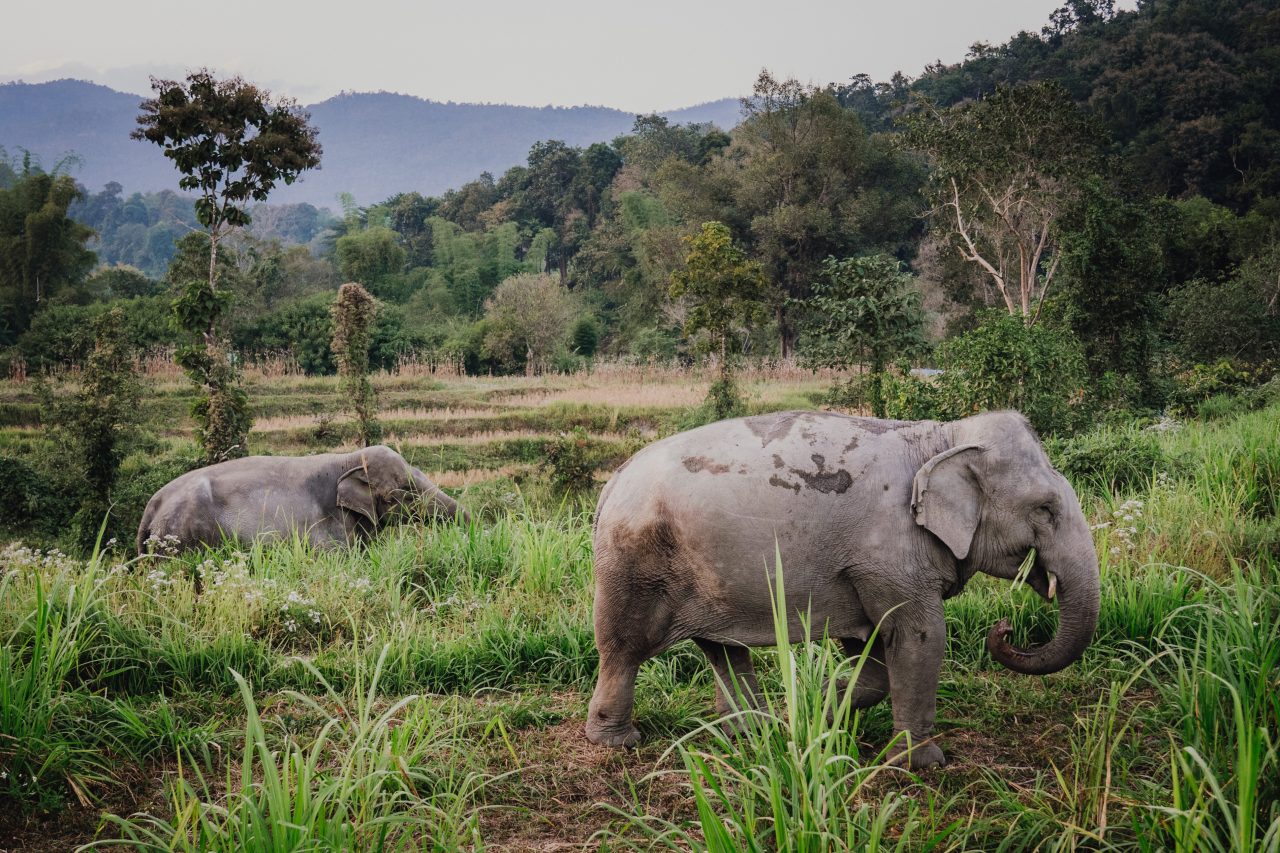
(232, 142)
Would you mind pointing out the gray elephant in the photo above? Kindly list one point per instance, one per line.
(877, 522)
(329, 499)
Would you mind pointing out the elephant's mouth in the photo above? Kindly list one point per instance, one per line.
(1043, 581)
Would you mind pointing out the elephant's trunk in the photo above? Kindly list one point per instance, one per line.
(1075, 566)
(440, 503)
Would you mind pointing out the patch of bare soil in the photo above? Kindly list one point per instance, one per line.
(141, 789)
(557, 797)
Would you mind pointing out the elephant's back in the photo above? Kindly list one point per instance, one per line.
(794, 457)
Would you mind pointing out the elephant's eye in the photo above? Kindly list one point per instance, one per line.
(1044, 514)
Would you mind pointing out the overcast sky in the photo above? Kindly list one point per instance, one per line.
(639, 56)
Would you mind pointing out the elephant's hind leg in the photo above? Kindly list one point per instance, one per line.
(629, 630)
(609, 714)
(873, 679)
(736, 686)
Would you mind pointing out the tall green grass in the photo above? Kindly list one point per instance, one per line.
(1164, 736)
(369, 780)
(48, 743)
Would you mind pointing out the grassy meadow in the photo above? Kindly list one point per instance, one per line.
(428, 691)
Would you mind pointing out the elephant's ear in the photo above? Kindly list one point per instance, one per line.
(356, 494)
(947, 499)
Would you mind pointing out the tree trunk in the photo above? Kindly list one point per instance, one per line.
(786, 332)
(213, 279)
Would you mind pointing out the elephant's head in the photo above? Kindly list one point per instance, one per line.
(381, 480)
(990, 499)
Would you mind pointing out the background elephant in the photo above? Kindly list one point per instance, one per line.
(330, 499)
(877, 522)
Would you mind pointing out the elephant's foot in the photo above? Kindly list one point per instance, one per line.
(920, 756)
(601, 734)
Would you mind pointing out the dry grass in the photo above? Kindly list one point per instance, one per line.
(649, 395)
(471, 476)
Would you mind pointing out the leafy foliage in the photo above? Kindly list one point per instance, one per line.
(1005, 364)
(568, 462)
(725, 290)
(98, 423)
(43, 258)
(230, 140)
(864, 309)
(528, 320)
(1005, 167)
(222, 412)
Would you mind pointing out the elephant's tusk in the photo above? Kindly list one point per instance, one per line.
(1053, 586)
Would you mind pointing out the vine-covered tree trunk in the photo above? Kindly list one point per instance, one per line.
(354, 312)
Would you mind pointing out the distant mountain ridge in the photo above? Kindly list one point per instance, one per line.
(375, 144)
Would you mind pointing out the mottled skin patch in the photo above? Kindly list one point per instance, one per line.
(769, 428)
(823, 480)
(694, 464)
(775, 480)
(777, 461)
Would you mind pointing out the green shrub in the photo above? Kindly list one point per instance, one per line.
(905, 397)
(1004, 364)
(569, 463)
(63, 334)
(1194, 384)
(1114, 399)
(584, 337)
(304, 328)
(1119, 460)
(723, 401)
(353, 316)
(25, 497)
(911, 398)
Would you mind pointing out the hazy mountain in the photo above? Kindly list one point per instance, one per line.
(375, 144)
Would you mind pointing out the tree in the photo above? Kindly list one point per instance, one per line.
(233, 143)
(369, 255)
(864, 310)
(725, 291)
(120, 282)
(528, 318)
(1237, 319)
(42, 252)
(1005, 167)
(354, 312)
(801, 182)
(1113, 270)
(98, 421)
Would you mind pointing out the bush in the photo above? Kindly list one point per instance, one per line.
(1193, 387)
(63, 334)
(569, 463)
(304, 328)
(1110, 460)
(584, 337)
(1114, 399)
(1004, 364)
(1210, 320)
(26, 501)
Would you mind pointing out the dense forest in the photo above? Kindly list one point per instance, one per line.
(1131, 153)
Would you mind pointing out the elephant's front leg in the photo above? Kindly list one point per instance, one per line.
(914, 650)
